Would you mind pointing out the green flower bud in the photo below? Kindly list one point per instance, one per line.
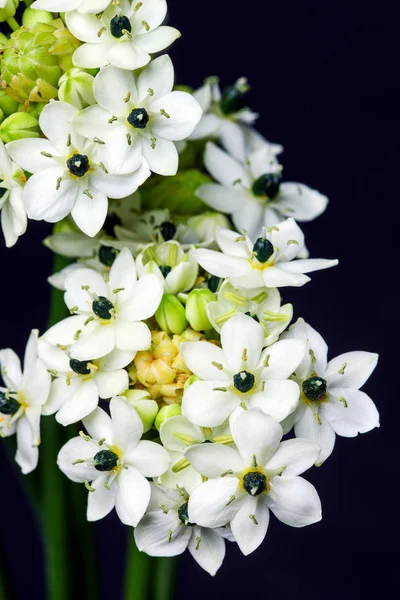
(145, 407)
(17, 126)
(196, 312)
(30, 17)
(1, 115)
(170, 315)
(177, 193)
(204, 225)
(3, 41)
(35, 59)
(7, 104)
(8, 10)
(166, 412)
(76, 88)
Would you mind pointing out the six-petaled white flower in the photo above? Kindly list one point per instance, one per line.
(13, 214)
(261, 475)
(331, 402)
(114, 462)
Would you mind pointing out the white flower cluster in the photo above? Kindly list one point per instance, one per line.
(176, 356)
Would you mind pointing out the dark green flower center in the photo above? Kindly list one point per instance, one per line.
(78, 164)
(105, 460)
(183, 514)
(234, 98)
(107, 255)
(257, 320)
(263, 249)
(168, 230)
(102, 307)
(80, 367)
(213, 283)
(314, 388)
(243, 381)
(267, 185)
(8, 406)
(165, 270)
(254, 483)
(138, 118)
(118, 25)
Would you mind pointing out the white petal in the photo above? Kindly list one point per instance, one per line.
(83, 400)
(132, 335)
(85, 27)
(101, 501)
(90, 213)
(117, 359)
(207, 127)
(208, 549)
(149, 458)
(232, 243)
(11, 369)
(256, 435)
(144, 300)
(212, 460)
(54, 123)
(37, 382)
(321, 433)
(199, 356)
(95, 342)
(358, 415)
(300, 202)
(283, 358)
(161, 534)
(205, 406)
(64, 331)
(296, 455)
(27, 153)
(127, 426)
(278, 277)
(27, 454)
(111, 383)
(184, 114)
(157, 40)
(127, 55)
(132, 496)
(232, 138)
(303, 331)
(222, 198)
(121, 184)
(249, 218)
(279, 398)
(221, 265)
(356, 367)
(43, 201)
(77, 449)
(250, 525)
(98, 425)
(242, 334)
(294, 501)
(308, 265)
(162, 158)
(179, 425)
(91, 56)
(59, 392)
(111, 86)
(76, 293)
(157, 76)
(210, 504)
(224, 168)
(123, 273)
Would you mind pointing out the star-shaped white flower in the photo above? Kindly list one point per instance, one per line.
(264, 305)
(240, 373)
(165, 530)
(77, 385)
(13, 214)
(114, 462)
(23, 401)
(70, 174)
(252, 192)
(261, 475)
(331, 402)
(107, 314)
(139, 117)
(123, 35)
(269, 261)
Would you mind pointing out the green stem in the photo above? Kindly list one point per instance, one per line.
(164, 580)
(3, 586)
(137, 572)
(13, 23)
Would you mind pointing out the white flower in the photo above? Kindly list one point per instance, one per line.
(83, 6)
(330, 403)
(70, 175)
(109, 314)
(261, 475)
(226, 117)
(124, 35)
(139, 117)
(77, 386)
(114, 462)
(252, 192)
(13, 215)
(268, 262)
(264, 305)
(165, 530)
(23, 401)
(175, 268)
(241, 373)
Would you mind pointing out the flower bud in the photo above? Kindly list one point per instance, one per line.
(170, 315)
(7, 104)
(204, 225)
(31, 16)
(196, 312)
(166, 412)
(145, 407)
(19, 125)
(8, 10)
(76, 88)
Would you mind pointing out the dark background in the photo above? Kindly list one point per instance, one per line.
(325, 81)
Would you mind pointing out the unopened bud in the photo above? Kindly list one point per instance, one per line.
(170, 315)
(204, 225)
(19, 125)
(146, 408)
(7, 104)
(196, 312)
(76, 88)
(166, 412)
(8, 9)
(31, 16)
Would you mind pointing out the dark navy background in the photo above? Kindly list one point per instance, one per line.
(325, 81)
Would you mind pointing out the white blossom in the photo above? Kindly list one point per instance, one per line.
(331, 402)
(240, 373)
(13, 214)
(114, 462)
(269, 261)
(23, 401)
